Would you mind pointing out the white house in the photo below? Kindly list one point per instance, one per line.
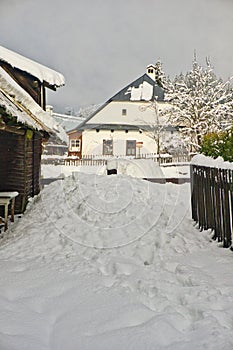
(128, 124)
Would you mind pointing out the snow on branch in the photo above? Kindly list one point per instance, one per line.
(201, 102)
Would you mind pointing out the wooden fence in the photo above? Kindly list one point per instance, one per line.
(212, 201)
(100, 161)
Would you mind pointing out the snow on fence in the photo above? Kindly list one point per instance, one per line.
(212, 200)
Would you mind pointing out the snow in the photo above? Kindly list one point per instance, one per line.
(51, 171)
(36, 69)
(176, 171)
(101, 262)
(151, 65)
(21, 105)
(68, 122)
(112, 163)
(14, 110)
(143, 92)
(219, 162)
(140, 168)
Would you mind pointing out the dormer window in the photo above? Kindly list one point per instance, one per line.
(150, 70)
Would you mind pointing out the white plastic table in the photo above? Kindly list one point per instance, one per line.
(5, 199)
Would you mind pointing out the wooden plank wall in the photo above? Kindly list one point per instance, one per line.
(20, 166)
(37, 151)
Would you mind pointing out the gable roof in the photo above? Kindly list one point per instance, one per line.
(37, 70)
(147, 91)
(142, 89)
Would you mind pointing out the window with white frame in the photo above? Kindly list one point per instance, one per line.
(107, 147)
(75, 145)
(131, 147)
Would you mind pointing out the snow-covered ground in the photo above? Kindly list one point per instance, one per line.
(113, 262)
(131, 167)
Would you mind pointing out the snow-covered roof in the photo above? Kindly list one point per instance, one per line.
(68, 122)
(21, 105)
(37, 70)
(141, 89)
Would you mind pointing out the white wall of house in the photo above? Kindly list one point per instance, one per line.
(132, 113)
(127, 112)
(93, 142)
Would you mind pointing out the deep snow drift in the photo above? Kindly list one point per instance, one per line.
(101, 262)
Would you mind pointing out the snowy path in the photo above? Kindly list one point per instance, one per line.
(158, 283)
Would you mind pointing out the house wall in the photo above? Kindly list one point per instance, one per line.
(137, 113)
(93, 142)
(20, 165)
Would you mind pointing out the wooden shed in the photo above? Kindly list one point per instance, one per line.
(24, 125)
(20, 164)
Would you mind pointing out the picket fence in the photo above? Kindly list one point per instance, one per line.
(212, 201)
(92, 160)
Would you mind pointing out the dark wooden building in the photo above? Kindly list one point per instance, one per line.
(24, 125)
(20, 164)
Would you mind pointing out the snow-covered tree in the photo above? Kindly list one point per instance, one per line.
(159, 131)
(86, 111)
(201, 103)
(160, 77)
(156, 129)
(153, 129)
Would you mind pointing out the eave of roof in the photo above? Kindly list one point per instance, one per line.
(109, 127)
(41, 72)
(22, 116)
(18, 103)
(124, 127)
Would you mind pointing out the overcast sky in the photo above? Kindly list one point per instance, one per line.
(102, 45)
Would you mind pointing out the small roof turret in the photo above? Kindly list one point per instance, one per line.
(150, 70)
